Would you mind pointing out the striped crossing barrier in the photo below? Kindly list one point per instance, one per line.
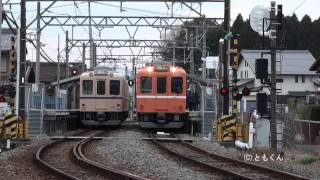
(12, 127)
(228, 129)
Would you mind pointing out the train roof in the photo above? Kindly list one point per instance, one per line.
(164, 68)
(102, 73)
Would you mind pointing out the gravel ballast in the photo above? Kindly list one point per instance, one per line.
(143, 158)
(18, 163)
(290, 161)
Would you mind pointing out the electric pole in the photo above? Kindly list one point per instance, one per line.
(273, 93)
(226, 28)
(38, 44)
(90, 37)
(1, 10)
(23, 57)
(67, 72)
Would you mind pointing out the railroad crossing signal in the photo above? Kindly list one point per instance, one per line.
(236, 96)
(224, 91)
(13, 60)
(74, 72)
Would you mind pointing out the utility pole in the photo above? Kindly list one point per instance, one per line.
(38, 44)
(203, 92)
(90, 37)
(67, 71)
(1, 10)
(23, 57)
(83, 57)
(273, 93)
(191, 56)
(17, 98)
(225, 56)
(133, 89)
(58, 77)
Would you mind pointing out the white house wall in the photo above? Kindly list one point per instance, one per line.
(288, 84)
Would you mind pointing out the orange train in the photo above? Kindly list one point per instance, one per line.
(161, 96)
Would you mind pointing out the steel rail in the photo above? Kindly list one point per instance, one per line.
(224, 171)
(282, 174)
(117, 174)
(43, 163)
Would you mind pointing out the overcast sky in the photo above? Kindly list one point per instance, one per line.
(50, 34)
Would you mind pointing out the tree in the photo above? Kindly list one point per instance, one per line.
(305, 33)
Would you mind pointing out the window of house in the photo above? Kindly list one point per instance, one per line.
(161, 84)
(101, 87)
(176, 85)
(241, 75)
(114, 87)
(146, 84)
(296, 78)
(303, 79)
(279, 80)
(87, 87)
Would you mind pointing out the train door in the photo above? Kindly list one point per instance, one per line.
(100, 103)
(161, 104)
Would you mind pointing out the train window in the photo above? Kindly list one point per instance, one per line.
(161, 84)
(87, 87)
(101, 87)
(176, 85)
(114, 87)
(146, 84)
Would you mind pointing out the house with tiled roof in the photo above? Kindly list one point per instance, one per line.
(294, 79)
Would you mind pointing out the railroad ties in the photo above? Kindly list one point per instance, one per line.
(79, 158)
(226, 166)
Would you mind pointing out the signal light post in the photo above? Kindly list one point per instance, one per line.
(235, 66)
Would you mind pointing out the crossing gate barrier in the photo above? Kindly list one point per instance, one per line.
(12, 127)
(228, 129)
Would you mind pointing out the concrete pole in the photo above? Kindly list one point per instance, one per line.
(134, 89)
(0, 37)
(38, 44)
(90, 37)
(58, 77)
(204, 55)
(17, 98)
(225, 58)
(191, 56)
(273, 94)
(67, 71)
(23, 50)
(83, 57)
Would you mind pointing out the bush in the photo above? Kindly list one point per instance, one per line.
(309, 160)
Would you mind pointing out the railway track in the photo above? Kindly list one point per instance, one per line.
(80, 167)
(229, 167)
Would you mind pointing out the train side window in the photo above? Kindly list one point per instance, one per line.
(146, 85)
(114, 87)
(176, 85)
(101, 87)
(87, 87)
(161, 84)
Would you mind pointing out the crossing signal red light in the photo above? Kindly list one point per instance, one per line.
(74, 72)
(246, 91)
(224, 91)
(2, 99)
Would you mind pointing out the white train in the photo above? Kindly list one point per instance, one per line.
(103, 98)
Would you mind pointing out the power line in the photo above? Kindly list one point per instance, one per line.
(297, 7)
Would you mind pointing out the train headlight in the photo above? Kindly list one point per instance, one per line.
(149, 69)
(173, 69)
